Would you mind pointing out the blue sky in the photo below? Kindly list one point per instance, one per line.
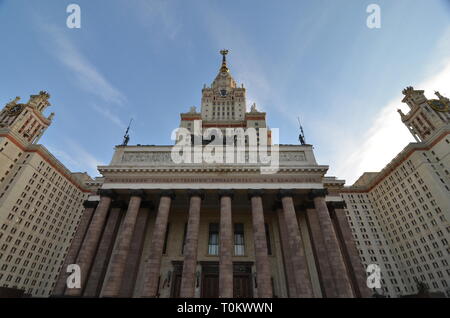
(148, 60)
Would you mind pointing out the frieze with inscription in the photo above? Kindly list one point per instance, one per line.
(268, 179)
(164, 158)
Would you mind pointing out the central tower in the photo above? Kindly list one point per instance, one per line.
(224, 105)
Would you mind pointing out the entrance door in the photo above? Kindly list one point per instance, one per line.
(210, 280)
(176, 285)
(242, 286)
(210, 286)
(242, 280)
(176, 279)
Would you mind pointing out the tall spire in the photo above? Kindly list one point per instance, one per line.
(224, 67)
(224, 81)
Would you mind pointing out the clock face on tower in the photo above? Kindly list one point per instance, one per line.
(15, 110)
(438, 105)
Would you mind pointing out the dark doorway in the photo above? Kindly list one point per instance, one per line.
(176, 279)
(210, 280)
(242, 280)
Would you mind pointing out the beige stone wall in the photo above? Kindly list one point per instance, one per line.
(40, 210)
(9, 154)
(403, 222)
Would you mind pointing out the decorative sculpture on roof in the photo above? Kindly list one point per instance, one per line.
(12, 103)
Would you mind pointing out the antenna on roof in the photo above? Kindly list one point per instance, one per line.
(301, 136)
(126, 137)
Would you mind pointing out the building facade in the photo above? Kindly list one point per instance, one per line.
(400, 216)
(41, 201)
(161, 228)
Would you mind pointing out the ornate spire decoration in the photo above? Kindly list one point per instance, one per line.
(301, 136)
(224, 67)
(408, 90)
(126, 137)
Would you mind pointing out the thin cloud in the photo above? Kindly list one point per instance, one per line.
(87, 76)
(388, 136)
(76, 158)
(108, 114)
(160, 13)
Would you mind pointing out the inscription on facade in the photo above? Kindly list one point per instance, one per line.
(215, 180)
(164, 158)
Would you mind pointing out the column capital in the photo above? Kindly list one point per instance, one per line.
(196, 193)
(255, 193)
(337, 205)
(317, 193)
(147, 204)
(137, 193)
(226, 193)
(90, 204)
(106, 193)
(285, 193)
(119, 204)
(167, 193)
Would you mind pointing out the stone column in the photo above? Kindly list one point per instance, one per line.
(135, 253)
(320, 253)
(226, 245)
(97, 274)
(187, 289)
(300, 265)
(263, 276)
(87, 252)
(341, 279)
(153, 264)
(89, 207)
(111, 287)
(286, 249)
(355, 267)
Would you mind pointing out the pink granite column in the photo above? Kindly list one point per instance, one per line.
(111, 287)
(351, 255)
(341, 279)
(187, 289)
(300, 265)
(102, 257)
(135, 253)
(153, 265)
(320, 253)
(263, 276)
(88, 249)
(287, 254)
(226, 245)
(89, 207)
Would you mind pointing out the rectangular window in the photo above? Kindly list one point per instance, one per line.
(166, 238)
(213, 239)
(269, 246)
(239, 246)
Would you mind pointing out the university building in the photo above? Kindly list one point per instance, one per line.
(400, 216)
(161, 228)
(41, 201)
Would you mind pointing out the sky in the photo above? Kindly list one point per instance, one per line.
(149, 59)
